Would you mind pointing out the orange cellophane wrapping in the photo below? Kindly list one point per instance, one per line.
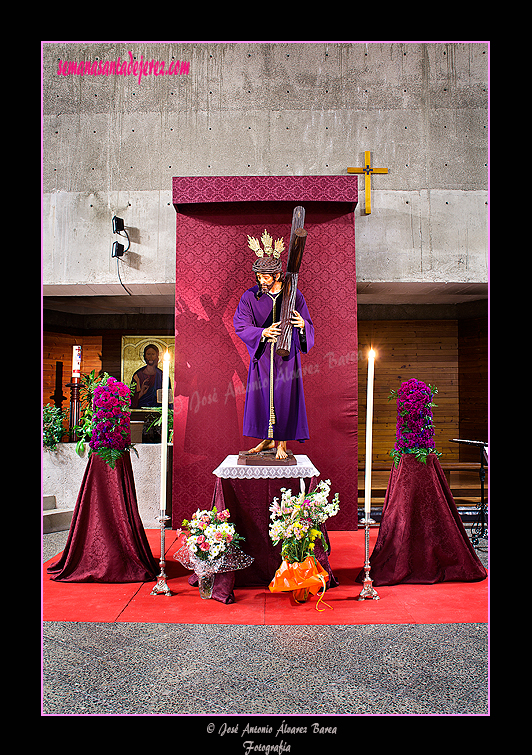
(307, 573)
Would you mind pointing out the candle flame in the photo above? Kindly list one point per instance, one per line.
(167, 355)
(371, 354)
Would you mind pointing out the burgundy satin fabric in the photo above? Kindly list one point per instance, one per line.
(106, 541)
(248, 502)
(421, 537)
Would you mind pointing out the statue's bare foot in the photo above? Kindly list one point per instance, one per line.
(263, 445)
(281, 450)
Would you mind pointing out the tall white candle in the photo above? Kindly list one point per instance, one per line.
(164, 429)
(369, 432)
(76, 361)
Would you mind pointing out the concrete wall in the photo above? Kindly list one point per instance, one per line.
(63, 470)
(112, 145)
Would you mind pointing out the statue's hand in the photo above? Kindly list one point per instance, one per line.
(273, 332)
(297, 320)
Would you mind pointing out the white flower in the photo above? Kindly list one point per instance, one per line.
(214, 550)
(275, 508)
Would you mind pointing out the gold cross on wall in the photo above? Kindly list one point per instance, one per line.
(367, 170)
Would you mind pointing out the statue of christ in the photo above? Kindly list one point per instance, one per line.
(275, 404)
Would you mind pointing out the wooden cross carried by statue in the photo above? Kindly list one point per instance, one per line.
(298, 237)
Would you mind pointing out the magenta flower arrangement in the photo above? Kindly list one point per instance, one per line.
(110, 430)
(415, 426)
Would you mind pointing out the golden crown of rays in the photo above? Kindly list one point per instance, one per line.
(267, 240)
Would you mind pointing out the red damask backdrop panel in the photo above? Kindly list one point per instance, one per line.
(213, 269)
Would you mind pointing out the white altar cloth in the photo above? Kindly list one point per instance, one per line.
(230, 469)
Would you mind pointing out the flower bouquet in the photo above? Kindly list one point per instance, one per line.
(296, 522)
(110, 422)
(415, 427)
(211, 546)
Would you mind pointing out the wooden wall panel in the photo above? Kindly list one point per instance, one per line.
(57, 347)
(422, 349)
(473, 377)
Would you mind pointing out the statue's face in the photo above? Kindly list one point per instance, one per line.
(266, 281)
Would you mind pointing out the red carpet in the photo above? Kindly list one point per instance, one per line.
(444, 603)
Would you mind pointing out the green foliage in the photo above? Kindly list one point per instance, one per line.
(52, 426)
(420, 454)
(88, 383)
(110, 455)
(158, 421)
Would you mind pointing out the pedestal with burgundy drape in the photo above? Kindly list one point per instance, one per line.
(248, 492)
(421, 537)
(106, 541)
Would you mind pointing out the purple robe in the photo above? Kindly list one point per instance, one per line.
(251, 317)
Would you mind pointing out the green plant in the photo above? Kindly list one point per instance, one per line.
(88, 383)
(52, 426)
(158, 421)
